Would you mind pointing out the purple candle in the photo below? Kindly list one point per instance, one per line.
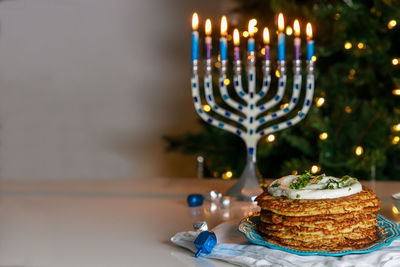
(236, 42)
(208, 39)
(297, 40)
(266, 43)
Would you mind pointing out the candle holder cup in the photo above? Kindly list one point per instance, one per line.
(251, 121)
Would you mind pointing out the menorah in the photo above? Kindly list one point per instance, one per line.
(255, 118)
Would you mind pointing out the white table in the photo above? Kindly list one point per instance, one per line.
(113, 223)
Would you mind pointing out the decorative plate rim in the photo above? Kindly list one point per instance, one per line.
(388, 232)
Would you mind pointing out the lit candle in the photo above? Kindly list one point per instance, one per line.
(281, 38)
(297, 40)
(310, 42)
(236, 42)
(223, 45)
(208, 39)
(195, 37)
(251, 43)
(266, 43)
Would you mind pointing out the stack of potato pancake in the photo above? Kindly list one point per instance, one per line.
(296, 214)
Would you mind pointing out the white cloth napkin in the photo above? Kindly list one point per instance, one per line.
(232, 247)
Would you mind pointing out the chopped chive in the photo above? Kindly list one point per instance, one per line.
(297, 196)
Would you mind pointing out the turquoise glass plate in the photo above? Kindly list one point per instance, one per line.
(388, 231)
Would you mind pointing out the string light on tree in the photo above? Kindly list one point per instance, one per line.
(315, 169)
(348, 45)
(396, 140)
(348, 109)
(206, 108)
(392, 24)
(396, 92)
(314, 58)
(283, 106)
(227, 81)
(227, 175)
(359, 150)
(397, 127)
(323, 136)
(395, 61)
(289, 30)
(270, 138)
(361, 45)
(320, 101)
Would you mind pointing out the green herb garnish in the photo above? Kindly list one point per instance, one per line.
(345, 178)
(301, 181)
(297, 196)
(276, 185)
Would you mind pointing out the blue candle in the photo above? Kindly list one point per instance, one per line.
(195, 45)
(281, 38)
(195, 37)
(281, 47)
(223, 44)
(223, 48)
(310, 42)
(310, 50)
(251, 45)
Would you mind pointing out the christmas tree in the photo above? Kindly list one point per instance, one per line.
(354, 125)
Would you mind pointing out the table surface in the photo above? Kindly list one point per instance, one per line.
(115, 223)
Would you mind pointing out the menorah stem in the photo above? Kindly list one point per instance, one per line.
(248, 185)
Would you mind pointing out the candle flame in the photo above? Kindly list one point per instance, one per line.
(252, 24)
(195, 21)
(236, 39)
(281, 23)
(296, 27)
(208, 27)
(266, 35)
(309, 30)
(224, 26)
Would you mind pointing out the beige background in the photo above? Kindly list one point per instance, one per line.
(88, 87)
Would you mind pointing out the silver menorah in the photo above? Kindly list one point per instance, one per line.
(251, 121)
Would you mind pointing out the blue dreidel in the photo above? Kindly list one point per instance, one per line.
(205, 242)
(195, 200)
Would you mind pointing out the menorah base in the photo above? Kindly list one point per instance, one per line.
(248, 186)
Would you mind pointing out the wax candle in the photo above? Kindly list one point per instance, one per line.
(310, 42)
(236, 42)
(266, 43)
(251, 47)
(281, 38)
(195, 37)
(223, 44)
(297, 40)
(208, 39)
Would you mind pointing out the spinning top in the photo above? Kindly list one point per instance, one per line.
(200, 226)
(195, 200)
(205, 242)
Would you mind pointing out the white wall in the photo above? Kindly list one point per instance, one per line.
(88, 87)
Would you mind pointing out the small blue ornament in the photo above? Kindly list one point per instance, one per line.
(205, 242)
(195, 200)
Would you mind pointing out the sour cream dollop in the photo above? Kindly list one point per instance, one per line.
(317, 187)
